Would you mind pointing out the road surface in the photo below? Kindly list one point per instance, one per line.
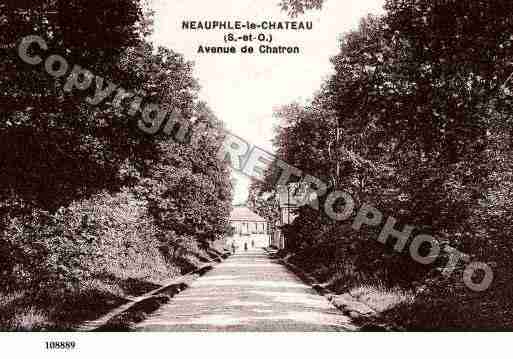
(247, 292)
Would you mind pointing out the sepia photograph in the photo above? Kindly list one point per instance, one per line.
(200, 167)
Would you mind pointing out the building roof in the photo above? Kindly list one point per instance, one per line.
(242, 213)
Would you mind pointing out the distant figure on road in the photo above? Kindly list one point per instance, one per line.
(233, 247)
(252, 243)
(245, 246)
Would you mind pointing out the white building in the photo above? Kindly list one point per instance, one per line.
(249, 228)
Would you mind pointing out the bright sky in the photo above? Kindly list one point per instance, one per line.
(243, 89)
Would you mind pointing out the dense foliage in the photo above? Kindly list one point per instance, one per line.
(416, 121)
(84, 191)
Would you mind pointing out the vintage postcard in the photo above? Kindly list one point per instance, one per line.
(228, 166)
